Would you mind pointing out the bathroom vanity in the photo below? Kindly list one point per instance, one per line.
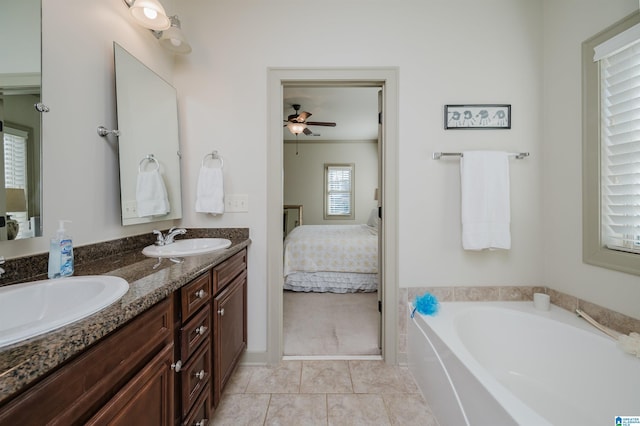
(160, 356)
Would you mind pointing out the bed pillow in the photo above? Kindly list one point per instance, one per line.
(373, 220)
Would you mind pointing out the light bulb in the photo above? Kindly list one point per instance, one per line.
(150, 13)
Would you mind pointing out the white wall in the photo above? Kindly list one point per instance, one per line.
(566, 25)
(488, 51)
(17, 28)
(304, 177)
(447, 52)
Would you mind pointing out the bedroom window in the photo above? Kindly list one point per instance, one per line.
(338, 191)
(611, 147)
(15, 178)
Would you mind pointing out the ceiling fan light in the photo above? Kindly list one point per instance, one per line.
(150, 14)
(296, 128)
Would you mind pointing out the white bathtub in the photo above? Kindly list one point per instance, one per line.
(501, 363)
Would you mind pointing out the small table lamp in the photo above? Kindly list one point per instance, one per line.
(16, 202)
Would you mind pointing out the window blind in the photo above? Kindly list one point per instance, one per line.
(15, 171)
(15, 158)
(620, 144)
(339, 190)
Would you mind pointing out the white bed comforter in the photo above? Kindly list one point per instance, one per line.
(331, 248)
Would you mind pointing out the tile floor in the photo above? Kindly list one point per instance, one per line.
(323, 393)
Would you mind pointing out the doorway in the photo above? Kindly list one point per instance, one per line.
(387, 79)
(331, 170)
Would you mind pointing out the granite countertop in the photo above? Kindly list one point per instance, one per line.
(150, 281)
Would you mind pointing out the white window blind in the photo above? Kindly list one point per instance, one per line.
(620, 144)
(339, 184)
(15, 158)
(15, 172)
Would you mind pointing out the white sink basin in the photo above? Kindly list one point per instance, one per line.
(37, 307)
(187, 247)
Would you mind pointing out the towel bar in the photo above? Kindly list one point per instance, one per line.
(438, 155)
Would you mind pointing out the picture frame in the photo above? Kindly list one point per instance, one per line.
(477, 116)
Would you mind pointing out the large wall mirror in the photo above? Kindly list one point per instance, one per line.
(20, 122)
(148, 145)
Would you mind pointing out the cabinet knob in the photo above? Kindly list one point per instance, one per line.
(200, 294)
(221, 312)
(199, 375)
(201, 330)
(177, 366)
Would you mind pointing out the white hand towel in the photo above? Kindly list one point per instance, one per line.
(210, 191)
(485, 200)
(151, 194)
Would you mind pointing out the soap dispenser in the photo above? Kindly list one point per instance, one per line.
(61, 253)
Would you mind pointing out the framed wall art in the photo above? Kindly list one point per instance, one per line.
(477, 116)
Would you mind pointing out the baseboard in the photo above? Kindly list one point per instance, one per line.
(332, 358)
(254, 359)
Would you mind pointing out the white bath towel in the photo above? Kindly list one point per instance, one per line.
(210, 191)
(151, 194)
(485, 200)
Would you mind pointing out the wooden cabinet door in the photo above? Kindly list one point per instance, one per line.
(146, 400)
(230, 331)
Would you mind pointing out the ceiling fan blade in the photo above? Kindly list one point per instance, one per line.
(303, 116)
(307, 131)
(320, 123)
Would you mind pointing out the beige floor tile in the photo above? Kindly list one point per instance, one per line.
(409, 381)
(298, 410)
(357, 410)
(239, 380)
(378, 377)
(326, 377)
(241, 410)
(284, 378)
(409, 410)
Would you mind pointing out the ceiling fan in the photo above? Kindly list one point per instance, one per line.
(297, 123)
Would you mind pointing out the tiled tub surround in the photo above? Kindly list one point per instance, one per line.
(150, 281)
(614, 320)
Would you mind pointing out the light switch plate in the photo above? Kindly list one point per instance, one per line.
(129, 209)
(236, 203)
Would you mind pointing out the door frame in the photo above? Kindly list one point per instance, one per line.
(387, 79)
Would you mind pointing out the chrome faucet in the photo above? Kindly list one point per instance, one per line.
(164, 240)
(173, 232)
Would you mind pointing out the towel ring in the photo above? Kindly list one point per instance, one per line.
(214, 155)
(149, 157)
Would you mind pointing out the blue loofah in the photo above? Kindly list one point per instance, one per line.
(427, 304)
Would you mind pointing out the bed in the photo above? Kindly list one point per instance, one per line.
(331, 258)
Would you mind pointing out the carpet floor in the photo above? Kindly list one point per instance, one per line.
(317, 324)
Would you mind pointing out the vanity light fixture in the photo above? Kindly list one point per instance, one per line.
(173, 39)
(296, 128)
(149, 13)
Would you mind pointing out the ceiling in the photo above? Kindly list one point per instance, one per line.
(353, 109)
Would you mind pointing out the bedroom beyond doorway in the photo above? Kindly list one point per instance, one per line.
(332, 255)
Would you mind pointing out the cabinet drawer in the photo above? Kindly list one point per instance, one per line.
(195, 295)
(194, 332)
(224, 273)
(195, 376)
(201, 412)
